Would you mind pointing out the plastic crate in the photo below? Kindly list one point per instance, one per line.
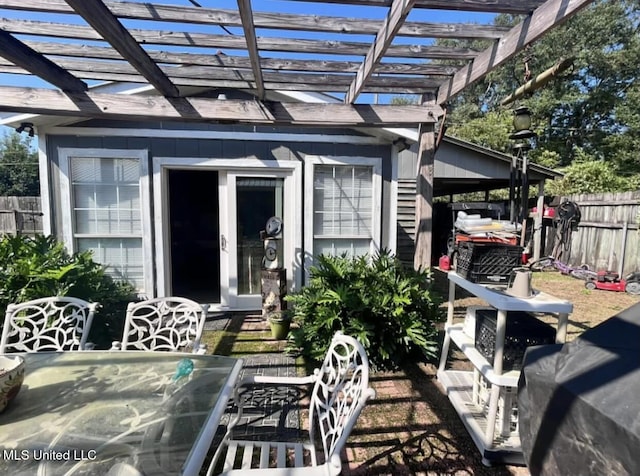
(469, 327)
(486, 263)
(507, 415)
(522, 330)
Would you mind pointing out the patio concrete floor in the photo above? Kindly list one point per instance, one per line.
(409, 429)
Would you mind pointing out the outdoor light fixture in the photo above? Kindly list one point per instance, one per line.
(519, 176)
(522, 124)
(26, 127)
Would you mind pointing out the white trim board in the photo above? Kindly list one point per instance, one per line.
(220, 135)
(45, 186)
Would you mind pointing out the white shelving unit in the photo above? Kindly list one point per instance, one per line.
(458, 384)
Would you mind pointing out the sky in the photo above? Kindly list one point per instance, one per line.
(297, 7)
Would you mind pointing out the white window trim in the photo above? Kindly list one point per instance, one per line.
(310, 163)
(66, 201)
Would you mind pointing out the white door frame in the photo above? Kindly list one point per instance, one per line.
(228, 169)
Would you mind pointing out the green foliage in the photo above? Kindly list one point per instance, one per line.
(492, 130)
(591, 176)
(35, 267)
(592, 108)
(390, 309)
(18, 166)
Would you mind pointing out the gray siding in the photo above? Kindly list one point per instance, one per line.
(458, 163)
(223, 149)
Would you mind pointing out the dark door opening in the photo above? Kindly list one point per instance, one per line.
(194, 234)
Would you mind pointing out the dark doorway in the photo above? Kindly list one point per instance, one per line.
(194, 234)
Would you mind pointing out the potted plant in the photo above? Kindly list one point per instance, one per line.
(279, 322)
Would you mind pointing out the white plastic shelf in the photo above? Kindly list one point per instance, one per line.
(498, 298)
(481, 421)
(459, 388)
(467, 346)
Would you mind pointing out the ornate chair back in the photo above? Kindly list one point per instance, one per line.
(339, 394)
(55, 323)
(165, 324)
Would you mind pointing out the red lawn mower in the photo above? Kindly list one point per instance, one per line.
(610, 281)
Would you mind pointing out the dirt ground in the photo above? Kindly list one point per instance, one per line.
(411, 427)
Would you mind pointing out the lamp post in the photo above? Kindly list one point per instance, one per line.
(522, 133)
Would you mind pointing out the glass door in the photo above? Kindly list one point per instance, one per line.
(253, 199)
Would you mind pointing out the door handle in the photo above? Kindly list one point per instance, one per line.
(223, 243)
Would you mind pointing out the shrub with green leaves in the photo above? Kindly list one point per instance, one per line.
(390, 309)
(40, 266)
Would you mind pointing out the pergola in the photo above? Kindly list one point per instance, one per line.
(183, 50)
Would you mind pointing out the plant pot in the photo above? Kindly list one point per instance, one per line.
(279, 328)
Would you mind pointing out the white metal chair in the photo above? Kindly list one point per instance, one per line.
(340, 392)
(55, 323)
(164, 324)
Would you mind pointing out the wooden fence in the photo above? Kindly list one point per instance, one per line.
(20, 215)
(607, 236)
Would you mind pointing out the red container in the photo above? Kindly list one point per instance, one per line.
(444, 263)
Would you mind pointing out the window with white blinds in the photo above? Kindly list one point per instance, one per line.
(344, 204)
(106, 214)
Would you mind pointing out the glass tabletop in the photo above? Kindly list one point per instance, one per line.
(93, 413)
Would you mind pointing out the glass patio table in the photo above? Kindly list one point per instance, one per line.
(115, 413)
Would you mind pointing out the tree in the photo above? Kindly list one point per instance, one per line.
(589, 114)
(18, 166)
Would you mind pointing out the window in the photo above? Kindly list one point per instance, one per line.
(345, 206)
(105, 211)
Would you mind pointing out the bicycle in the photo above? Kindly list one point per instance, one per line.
(549, 263)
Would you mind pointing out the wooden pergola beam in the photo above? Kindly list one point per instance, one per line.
(237, 42)
(96, 14)
(241, 62)
(271, 21)
(246, 14)
(424, 191)
(25, 57)
(494, 6)
(242, 84)
(397, 14)
(336, 82)
(118, 106)
(545, 17)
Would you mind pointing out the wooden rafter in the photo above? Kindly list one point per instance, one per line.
(216, 77)
(102, 105)
(545, 17)
(246, 14)
(203, 40)
(271, 21)
(397, 14)
(23, 56)
(96, 14)
(241, 62)
(191, 52)
(493, 6)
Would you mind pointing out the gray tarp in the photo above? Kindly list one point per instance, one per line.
(579, 403)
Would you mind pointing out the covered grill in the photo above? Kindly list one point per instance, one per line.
(578, 403)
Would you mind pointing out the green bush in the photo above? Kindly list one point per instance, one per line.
(40, 266)
(390, 309)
